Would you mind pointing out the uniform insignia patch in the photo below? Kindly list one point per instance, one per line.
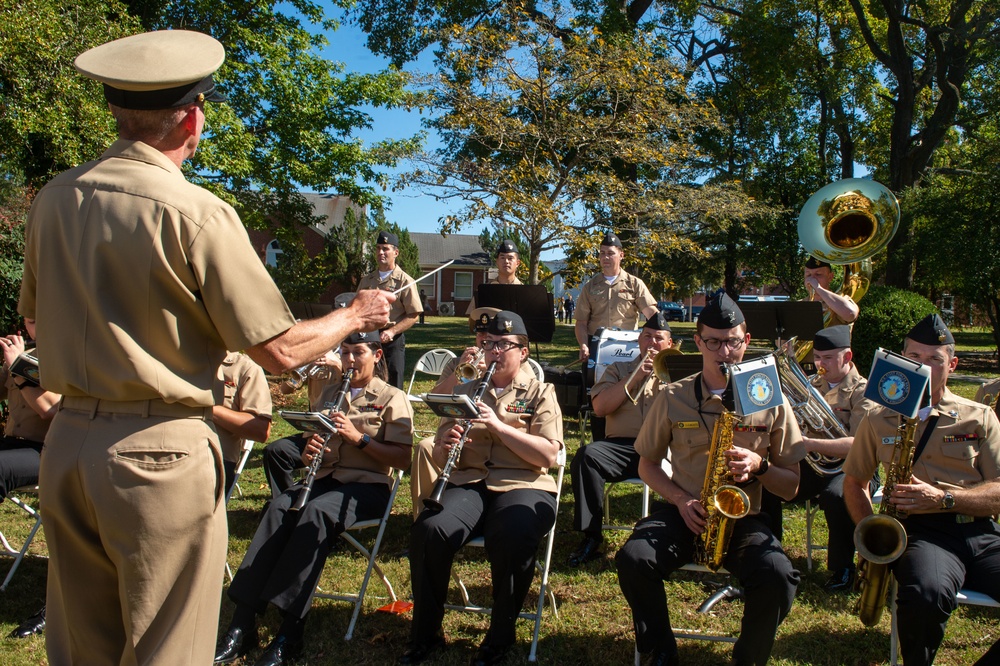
(519, 407)
(684, 425)
(970, 437)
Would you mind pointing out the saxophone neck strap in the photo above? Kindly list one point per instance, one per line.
(931, 422)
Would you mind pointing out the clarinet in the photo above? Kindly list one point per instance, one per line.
(314, 464)
(434, 501)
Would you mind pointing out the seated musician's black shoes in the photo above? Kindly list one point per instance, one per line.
(841, 580)
(659, 658)
(588, 550)
(282, 650)
(418, 651)
(487, 655)
(233, 644)
(33, 625)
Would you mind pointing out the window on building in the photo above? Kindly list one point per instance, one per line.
(463, 286)
(271, 253)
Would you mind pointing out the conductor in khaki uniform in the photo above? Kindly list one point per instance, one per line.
(611, 299)
(614, 458)
(948, 501)
(507, 261)
(140, 282)
(243, 411)
(766, 452)
(405, 311)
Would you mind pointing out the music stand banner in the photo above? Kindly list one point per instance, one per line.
(755, 385)
(897, 383)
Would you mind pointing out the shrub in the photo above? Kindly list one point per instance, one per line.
(887, 315)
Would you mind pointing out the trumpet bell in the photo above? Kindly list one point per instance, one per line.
(848, 221)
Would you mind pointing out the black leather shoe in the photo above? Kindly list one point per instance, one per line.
(659, 658)
(589, 549)
(417, 652)
(33, 625)
(282, 650)
(233, 644)
(842, 580)
(487, 655)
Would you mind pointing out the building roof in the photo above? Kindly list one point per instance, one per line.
(334, 207)
(435, 249)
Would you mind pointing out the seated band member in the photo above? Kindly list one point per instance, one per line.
(288, 552)
(614, 458)
(30, 410)
(989, 391)
(767, 450)
(283, 456)
(837, 309)
(242, 409)
(843, 388)
(423, 470)
(949, 500)
(500, 489)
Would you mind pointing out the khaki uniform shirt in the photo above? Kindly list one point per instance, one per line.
(990, 389)
(407, 302)
(679, 429)
(380, 411)
(317, 384)
(627, 419)
(963, 449)
(847, 399)
(472, 303)
(527, 405)
(152, 281)
(614, 306)
(22, 421)
(243, 388)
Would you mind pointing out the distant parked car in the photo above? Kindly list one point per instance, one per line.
(695, 311)
(674, 311)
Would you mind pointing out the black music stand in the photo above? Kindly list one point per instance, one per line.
(531, 301)
(783, 320)
(683, 365)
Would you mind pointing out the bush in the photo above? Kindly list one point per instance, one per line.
(887, 315)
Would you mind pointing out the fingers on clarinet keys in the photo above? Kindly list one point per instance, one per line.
(234, 644)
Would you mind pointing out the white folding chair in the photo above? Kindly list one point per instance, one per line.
(244, 457)
(358, 598)
(544, 591)
(536, 366)
(430, 363)
(965, 597)
(608, 487)
(18, 554)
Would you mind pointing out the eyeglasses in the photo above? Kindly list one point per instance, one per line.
(714, 344)
(501, 346)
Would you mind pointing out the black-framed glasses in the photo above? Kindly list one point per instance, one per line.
(501, 346)
(713, 344)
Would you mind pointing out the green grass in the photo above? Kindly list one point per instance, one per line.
(594, 623)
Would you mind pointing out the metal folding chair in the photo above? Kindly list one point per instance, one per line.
(358, 598)
(544, 591)
(244, 457)
(18, 554)
(430, 363)
(811, 511)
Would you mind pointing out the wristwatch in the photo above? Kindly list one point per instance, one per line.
(948, 501)
(365, 441)
(762, 468)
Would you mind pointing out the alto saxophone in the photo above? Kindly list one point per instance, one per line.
(880, 538)
(724, 502)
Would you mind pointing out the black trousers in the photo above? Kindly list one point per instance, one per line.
(281, 458)
(662, 543)
(289, 549)
(829, 492)
(512, 523)
(594, 464)
(395, 360)
(19, 460)
(942, 556)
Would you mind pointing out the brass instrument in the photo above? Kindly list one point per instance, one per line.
(434, 501)
(724, 502)
(317, 461)
(811, 409)
(467, 372)
(880, 538)
(299, 376)
(660, 370)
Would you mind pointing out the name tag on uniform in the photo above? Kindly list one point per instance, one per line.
(371, 408)
(684, 425)
(891, 440)
(750, 428)
(971, 437)
(519, 407)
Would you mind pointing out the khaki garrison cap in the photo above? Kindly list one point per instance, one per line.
(165, 69)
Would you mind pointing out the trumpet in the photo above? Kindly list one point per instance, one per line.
(301, 375)
(467, 372)
(314, 464)
(660, 370)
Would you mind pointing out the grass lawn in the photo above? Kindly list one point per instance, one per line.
(594, 622)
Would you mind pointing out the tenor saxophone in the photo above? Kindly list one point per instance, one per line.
(880, 538)
(724, 502)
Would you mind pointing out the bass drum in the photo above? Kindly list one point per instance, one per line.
(607, 346)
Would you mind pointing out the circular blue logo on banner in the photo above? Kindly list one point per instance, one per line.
(760, 389)
(893, 387)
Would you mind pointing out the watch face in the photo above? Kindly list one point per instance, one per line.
(949, 501)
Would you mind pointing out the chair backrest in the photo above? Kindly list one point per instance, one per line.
(536, 366)
(430, 363)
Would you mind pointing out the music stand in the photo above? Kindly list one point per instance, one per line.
(531, 301)
(783, 320)
(683, 365)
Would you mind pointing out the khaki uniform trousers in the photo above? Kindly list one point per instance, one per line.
(423, 474)
(137, 534)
